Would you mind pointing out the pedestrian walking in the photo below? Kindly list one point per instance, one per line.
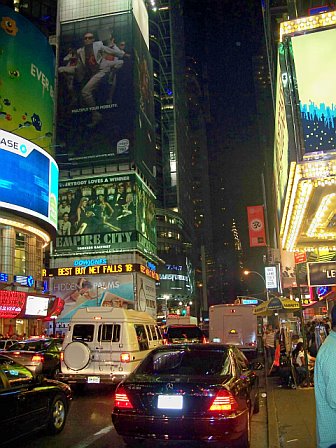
(269, 344)
(325, 388)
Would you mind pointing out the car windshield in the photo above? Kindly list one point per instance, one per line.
(31, 346)
(186, 362)
(184, 333)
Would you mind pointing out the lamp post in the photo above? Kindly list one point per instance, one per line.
(263, 279)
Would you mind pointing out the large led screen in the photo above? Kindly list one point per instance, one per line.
(105, 100)
(27, 72)
(105, 213)
(28, 178)
(315, 66)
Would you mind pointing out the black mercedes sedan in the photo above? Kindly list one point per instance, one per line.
(188, 392)
(29, 402)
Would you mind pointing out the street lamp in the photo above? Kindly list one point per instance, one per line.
(263, 279)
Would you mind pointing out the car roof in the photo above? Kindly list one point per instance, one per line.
(193, 346)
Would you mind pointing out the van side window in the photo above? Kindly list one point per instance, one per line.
(83, 332)
(154, 335)
(109, 333)
(142, 337)
(149, 333)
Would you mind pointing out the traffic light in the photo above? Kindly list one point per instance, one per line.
(183, 312)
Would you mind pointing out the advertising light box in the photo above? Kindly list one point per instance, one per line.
(315, 65)
(37, 306)
(28, 179)
(106, 213)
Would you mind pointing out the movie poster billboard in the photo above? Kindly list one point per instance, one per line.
(315, 64)
(93, 290)
(105, 213)
(105, 110)
(27, 73)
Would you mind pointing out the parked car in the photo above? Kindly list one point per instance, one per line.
(5, 344)
(188, 392)
(40, 355)
(176, 334)
(29, 402)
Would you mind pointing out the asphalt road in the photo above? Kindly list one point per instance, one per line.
(89, 425)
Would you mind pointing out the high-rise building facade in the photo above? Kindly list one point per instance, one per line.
(105, 251)
(304, 151)
(29, 175)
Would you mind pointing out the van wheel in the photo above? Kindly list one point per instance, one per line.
(132, 442)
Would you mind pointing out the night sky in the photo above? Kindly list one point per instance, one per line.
(227, 36)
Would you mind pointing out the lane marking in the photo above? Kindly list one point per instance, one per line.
(87, 442)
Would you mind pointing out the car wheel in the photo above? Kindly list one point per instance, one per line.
(55, 373)
(132, 442)
(245, 440)
(256, 406)
(57, 415)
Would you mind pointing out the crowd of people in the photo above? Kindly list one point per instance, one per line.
(287, 356)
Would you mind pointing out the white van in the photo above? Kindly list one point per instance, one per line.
(105, 344)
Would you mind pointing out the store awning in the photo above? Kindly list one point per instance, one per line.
(276, 304)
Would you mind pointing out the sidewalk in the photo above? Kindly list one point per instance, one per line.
(290, 416)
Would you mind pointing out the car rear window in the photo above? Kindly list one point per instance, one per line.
(186, 362)
(184, 333)
(31, 346)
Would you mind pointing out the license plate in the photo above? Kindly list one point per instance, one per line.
(170, 402)
(93, 379)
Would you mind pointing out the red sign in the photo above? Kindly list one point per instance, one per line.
(11, 303)
(256, 225)
(300, 257)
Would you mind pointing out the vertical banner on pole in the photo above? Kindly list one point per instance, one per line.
(256, 225)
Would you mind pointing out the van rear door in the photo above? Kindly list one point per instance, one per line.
(107, 349)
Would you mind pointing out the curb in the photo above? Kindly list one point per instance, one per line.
(272, 418)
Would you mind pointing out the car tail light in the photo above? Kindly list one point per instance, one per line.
(38, 358)
(224, 401)
(62, 356)
(121, 399)
(125, 357)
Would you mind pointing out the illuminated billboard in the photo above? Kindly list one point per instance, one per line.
(105, 213)
(105, 96)
(29, 178)
(177, 277)
(281, 151)
(315, 65)
(27, 73)
(93, 290)
(37, 306)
